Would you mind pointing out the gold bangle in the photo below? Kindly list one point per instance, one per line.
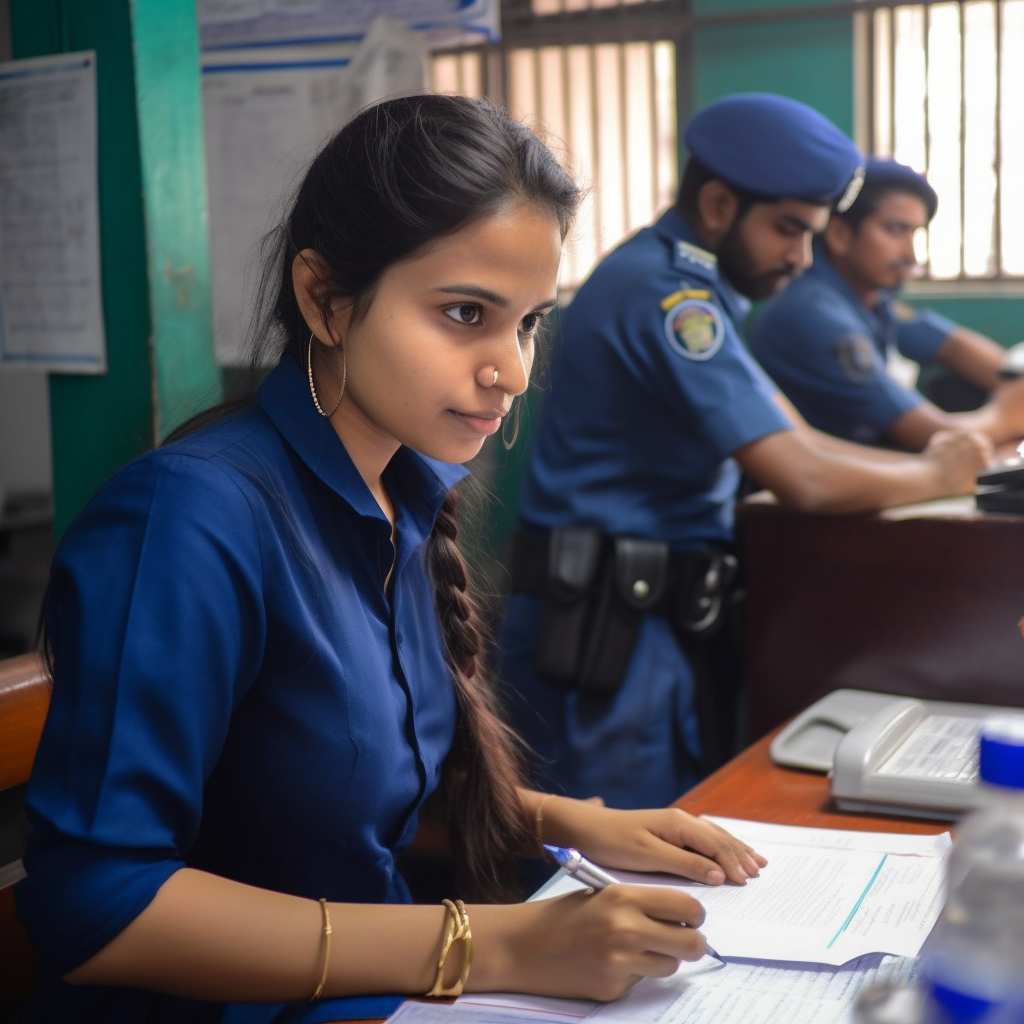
(327, 950)
(456, 929)
(539, 820)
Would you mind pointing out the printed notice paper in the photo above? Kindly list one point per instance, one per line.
(51, 313)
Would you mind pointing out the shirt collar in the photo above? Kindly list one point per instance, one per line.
(418, 485)
(824, 270)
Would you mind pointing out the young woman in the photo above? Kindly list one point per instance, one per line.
(265, 656)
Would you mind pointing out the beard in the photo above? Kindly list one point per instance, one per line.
(736, 265)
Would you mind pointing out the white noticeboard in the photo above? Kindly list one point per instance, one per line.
(51, 312)
(267, 112)
(235, 23)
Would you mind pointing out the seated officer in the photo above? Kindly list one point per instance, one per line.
(616, 666)
(826, 339)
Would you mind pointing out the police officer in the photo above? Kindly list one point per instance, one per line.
(612, 645)
(826, 340)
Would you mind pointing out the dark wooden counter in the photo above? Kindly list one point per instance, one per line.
(923, 601)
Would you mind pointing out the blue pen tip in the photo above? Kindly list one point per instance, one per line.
(558, 853)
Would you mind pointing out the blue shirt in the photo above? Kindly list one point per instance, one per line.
(827, 351)
(234, 689)
(651, 393)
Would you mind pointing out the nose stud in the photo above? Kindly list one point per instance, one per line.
(494, 379)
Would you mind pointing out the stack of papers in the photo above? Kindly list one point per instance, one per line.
(835, 909)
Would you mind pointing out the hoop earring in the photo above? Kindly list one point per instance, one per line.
(515, 414)
(312, 386)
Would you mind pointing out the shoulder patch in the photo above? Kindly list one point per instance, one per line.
(903, 311)
(687, 293)
(856, 357)
(694, 328)
(695, 254)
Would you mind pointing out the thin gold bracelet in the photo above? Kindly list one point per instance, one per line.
(456, 929)
(327, 950)
(539, 820)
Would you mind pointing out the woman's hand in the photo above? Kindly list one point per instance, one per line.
(586, 945)
(667, 840)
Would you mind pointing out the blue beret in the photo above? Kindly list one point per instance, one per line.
(881, 172)
(776, 147)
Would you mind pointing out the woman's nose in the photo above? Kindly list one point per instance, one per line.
(509, 370)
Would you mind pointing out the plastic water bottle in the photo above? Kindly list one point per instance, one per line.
(973, 962)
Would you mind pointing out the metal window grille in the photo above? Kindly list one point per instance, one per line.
(943, 92)
(597, 79)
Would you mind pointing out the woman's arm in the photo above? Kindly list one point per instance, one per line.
(666, 839)
(210, 938)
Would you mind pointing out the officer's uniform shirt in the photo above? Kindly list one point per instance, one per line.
(234, 692)
(827, 351)
(651, 393)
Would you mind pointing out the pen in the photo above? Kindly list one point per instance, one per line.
(589, 874)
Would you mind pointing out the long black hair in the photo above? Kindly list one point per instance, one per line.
(398, 176)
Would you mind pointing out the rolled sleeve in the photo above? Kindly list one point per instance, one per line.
(149, 665)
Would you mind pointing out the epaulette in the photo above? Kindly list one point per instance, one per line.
(903, 311)
(690, 253)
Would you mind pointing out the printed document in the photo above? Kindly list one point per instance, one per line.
(741, 992)
(830, 908)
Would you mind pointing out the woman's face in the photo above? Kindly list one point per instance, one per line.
(420, 363)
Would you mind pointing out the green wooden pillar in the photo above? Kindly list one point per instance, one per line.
(153, 234)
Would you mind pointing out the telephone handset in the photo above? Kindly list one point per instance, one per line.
(887, 753)
(1001, 487)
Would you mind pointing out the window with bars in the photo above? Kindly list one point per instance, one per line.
(944, 88)
(597, 79)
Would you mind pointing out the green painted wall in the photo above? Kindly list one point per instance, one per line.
(809, 59)
(154, 250)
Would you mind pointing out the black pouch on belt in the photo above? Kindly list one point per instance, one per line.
(633, 584)
(574, 560)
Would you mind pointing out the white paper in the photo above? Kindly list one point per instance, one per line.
(472, 1013)
(826, 897)
(898, 907)
(741, 992)
(752, 993)
(51, 312)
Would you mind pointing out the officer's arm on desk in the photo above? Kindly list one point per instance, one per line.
(973, 356)
(978, 360)
(1001, 419)
(810, 473)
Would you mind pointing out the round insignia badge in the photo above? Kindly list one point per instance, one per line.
(856, 356)
(694, 328)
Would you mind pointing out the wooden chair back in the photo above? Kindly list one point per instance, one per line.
(24, 700)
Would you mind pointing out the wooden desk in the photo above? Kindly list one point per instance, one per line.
(922, 601)
(750, 786)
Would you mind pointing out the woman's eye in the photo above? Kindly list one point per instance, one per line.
(530, 323)
(464, 314)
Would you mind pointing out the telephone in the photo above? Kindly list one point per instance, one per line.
(1001, 487)
(890, 754)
